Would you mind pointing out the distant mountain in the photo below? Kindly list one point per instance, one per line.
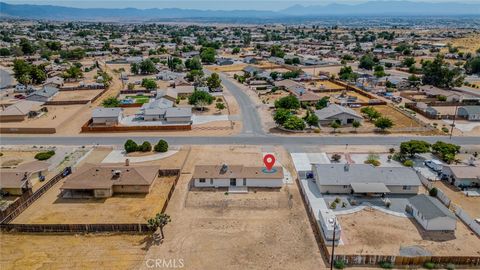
(386, 8)
(49, 12)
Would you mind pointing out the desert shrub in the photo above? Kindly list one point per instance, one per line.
(445, 129)
(450, 266)
(386, 265)
(161, 146)
(337, 200)
(344, 204)
(333, 205)
(340, 264)
(130, 146)
(336, 157)
(145, 147)
(429, 265)
(433, 192)
(317, 130)
(408, 163)
(44, 155)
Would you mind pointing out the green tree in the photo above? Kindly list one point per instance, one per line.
(145, 147)
(438, 73)
(27, 47)
(384, 123)
(220, 106)
(207, 55)
(214, 82)
(294, 123)
(111, 102)
(147, 67)
(281, 115)
(158, 222)
(194, 75)
(370, 112)
(446, 151)
(346, 73)
(149, 84)
(193, 64)
(130, 146)
(367, 62)
(312, 120)
(379, 72)
(334, 125)
(289, 102)
(199, 98)
(414, 147)
(161, 146)
(73, 72)
(277, 51)
(236, 50)
(356, 124)
(5, 52)
(134, 68)
(472, 66)
(408, 61)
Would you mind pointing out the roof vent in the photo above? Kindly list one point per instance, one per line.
(223, 169)
(346, 167)
(116, 173)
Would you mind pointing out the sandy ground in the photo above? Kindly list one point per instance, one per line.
(398, 118)
(13, 158)
(211, 230)
(26, 251)
(470, 204)
(55, 116)
(373, 232)
(121, 208)
(76, 95)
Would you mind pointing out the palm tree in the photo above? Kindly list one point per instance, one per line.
(159, 221)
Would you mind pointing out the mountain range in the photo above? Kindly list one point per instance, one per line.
(380, 8)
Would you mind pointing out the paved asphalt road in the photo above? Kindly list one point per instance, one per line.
(5, 79)
(236, 140)
(251, 120)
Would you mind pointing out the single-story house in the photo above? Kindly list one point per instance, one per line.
(471, 113)
(462, 175)
(341, 114)
(224, 61)
(54, 82)
(107, 116)
(431, 213)
(43, 95)
(365, 179)
(236, 176)
(16, 181)
(184, 90)
(102, 181)
(169, 94)
(178, 115)
(20, 110)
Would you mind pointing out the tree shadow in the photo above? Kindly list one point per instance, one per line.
(154, 239)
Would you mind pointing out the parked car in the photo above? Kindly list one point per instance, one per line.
(434, 164)
(19, 96)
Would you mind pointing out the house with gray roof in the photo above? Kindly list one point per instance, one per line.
(43, 95)
(431, 213)
(107, 116)
(365, 179)
(471, 113)
(342, 115)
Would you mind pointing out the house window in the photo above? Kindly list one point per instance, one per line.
(211, 181)
(407, 187)
(201, 180)
(346, 186)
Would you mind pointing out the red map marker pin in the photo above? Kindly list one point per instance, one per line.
(269, 161)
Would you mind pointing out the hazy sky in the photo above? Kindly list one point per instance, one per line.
(199, 4)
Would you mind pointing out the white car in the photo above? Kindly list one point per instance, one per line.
(434, 164)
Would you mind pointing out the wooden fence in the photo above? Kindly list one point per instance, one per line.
(404, 260)
(87, 127)
(17, 209)
(83, 228)
(75, 228)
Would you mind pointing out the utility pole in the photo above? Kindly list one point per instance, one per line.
(333, 243)
(454, 118)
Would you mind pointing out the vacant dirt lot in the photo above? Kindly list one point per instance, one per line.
(27, 251)
(211, 230)
(471, 205)
(76, 95)
(10, 159)
(399, 119)
(131, 208)
(373, 232)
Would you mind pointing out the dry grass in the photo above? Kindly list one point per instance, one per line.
(399, 119)
(54, 118)
(229, 68)
(13, 158)
(373, 232)
(76, 95)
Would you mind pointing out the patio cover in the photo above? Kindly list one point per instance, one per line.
(369, 188)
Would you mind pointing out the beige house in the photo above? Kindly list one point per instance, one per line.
(236, 176)
(102, 181)
(18, 180)
(21, 110)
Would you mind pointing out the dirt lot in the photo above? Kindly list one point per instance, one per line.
(229, 68)
(131, 208)
(328, 85)
(398, 118)
(13, 158)
(77, 95)
(373, 232)
(54, 118)
(27, 251)
(471, 205)
(271, 97)
(211, 230)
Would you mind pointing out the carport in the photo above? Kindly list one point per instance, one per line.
(369, 189)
